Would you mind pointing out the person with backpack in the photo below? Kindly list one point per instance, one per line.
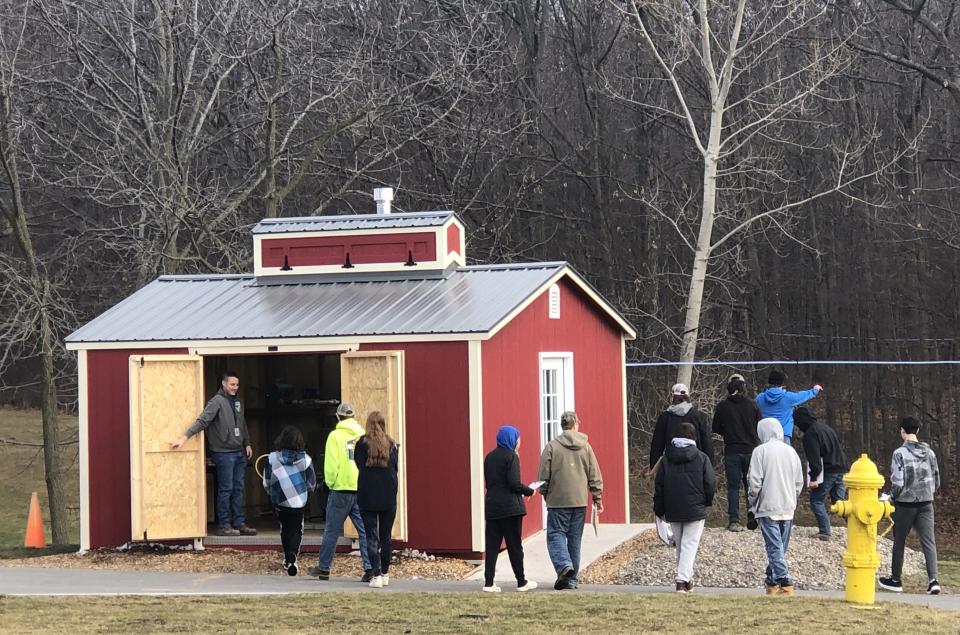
(683, 490)
(668, 425)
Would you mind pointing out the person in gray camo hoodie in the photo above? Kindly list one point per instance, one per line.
(914, 479)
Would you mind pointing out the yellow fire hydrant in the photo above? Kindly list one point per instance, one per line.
(863, 511)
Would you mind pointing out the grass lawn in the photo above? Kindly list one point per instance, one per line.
(22, 472)
(466, 613)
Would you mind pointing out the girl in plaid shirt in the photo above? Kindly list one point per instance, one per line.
(289, 477)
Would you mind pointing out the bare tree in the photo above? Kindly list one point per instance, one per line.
(739, 72)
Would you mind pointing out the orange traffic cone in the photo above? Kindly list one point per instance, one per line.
(35, 536)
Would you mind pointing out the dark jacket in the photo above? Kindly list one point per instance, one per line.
(376, 486)
(735, 419)
(222, 419)
(505, 490)
(684, 485)
(668, 427)
(821, 445)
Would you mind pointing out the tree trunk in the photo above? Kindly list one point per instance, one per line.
(56, 493)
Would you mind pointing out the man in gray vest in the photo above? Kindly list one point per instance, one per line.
(229, 445)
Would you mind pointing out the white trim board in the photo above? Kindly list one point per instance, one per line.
(83, 438)
(285, 344)
(475, 379)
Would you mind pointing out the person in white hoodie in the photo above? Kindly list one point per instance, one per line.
(775, 480)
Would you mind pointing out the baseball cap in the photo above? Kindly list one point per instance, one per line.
(679, 389)
(344, 410)
(737, 376)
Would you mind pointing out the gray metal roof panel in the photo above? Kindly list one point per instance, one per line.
(351, 222)
(193, 308)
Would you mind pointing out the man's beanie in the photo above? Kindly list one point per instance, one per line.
(776, 378)
(344, 410)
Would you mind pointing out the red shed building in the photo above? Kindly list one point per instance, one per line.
(380, 310)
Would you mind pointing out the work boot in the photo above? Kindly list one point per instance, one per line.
(563, 578)
(824, 537)
(785, 589)
(226, 531)
(772, 588)
(734, 526)
(243, 530)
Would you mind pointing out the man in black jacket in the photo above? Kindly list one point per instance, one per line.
(735, 419)
(668, 425)
(826, 462)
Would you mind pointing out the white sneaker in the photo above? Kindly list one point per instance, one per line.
(377, 582)
(529, 586)
(493, 588)
(386, 579)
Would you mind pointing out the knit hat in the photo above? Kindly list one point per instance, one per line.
(344, 410)
(507, 437)
(680, 389)
(776, 378)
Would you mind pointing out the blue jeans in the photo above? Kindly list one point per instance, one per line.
(230, 468)
(340, 505)
(776, 538)
(833, 486)
(564, 533)
(736, 467)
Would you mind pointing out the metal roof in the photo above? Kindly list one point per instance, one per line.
(235, 307)
(351, 222)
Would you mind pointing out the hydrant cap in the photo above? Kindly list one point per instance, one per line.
(863, 473)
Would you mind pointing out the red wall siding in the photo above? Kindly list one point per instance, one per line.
(438, 443)
(108, 421)
(511, 389)
(365, 249)
(453, 240)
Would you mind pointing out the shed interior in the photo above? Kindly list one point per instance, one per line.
(302, 390)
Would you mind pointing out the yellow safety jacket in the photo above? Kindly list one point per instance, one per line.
(339, 470)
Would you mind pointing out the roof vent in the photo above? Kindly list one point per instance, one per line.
(383, 197)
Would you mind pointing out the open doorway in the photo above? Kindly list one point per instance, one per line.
(302, 390)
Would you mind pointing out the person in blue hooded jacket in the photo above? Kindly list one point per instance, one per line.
(504, 508)
(778, 403)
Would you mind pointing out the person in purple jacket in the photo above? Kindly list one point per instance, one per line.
(778, 403)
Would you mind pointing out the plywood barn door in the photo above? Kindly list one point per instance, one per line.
(373, 380)
(167, 487)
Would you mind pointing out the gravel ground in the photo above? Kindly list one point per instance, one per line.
(235, 561)
(728, 559)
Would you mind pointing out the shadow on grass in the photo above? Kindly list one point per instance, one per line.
(9, 553)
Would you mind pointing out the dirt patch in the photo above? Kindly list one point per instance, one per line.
(236, 561)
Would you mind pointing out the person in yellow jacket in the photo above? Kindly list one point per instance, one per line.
(340, 474)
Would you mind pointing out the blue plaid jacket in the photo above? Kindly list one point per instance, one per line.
(289, 477)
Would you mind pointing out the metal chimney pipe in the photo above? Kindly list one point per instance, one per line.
(383, 196)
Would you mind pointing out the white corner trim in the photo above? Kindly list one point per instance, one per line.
(83, 439)
(475, 379)
(626, 431)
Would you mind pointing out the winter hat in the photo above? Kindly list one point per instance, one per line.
(803, 418)
(776, 378)
(679, 389)
(507, 437)
(344, 410)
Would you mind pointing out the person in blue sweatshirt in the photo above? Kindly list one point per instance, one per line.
(778, 403)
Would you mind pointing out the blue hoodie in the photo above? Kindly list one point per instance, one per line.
(778, 403)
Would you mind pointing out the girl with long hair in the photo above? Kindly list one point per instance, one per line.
(377, 457)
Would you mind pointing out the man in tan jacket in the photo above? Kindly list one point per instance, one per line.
(568, 469)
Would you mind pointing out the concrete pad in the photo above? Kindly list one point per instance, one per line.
(536, 561)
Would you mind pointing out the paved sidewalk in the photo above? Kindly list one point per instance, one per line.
(536, 561)
(35, 581)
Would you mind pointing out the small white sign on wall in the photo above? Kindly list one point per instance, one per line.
(555, 302)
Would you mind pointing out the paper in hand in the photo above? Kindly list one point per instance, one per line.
(595, 521)
(536, 484)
